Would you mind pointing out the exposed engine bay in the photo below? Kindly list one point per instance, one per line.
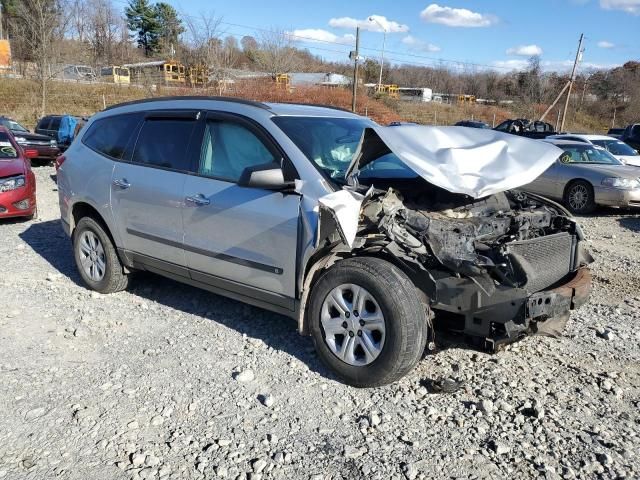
(470, 237)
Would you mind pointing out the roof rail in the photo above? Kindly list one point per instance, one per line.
(321, 105)
(191, 97)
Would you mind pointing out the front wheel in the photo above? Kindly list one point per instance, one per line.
(579, 197)
(367, 322)
(96, 258)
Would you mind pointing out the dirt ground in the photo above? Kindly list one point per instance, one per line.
(167, 381)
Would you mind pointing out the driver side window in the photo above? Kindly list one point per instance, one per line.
(228, 148)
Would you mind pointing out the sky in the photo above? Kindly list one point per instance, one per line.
(496, 33)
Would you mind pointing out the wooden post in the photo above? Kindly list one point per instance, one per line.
(354, 90)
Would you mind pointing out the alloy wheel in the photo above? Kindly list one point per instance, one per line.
(92, 256)
(353, 324)
(578, 197)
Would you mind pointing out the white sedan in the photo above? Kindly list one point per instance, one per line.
(614, 146)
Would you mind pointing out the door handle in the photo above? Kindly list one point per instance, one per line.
(121, 183)
(198, 200)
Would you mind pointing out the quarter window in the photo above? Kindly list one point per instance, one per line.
(164, 143)
(228, 148)
(110, 136)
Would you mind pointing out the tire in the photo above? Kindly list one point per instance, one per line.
(579, 197)
(92, 245)
(381, 288)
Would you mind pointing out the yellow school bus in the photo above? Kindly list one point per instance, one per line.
(114, 74)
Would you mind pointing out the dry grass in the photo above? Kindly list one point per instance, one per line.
(21, 100)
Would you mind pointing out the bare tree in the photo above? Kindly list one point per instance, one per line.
(39, 24)
(104, 30)
(204, 38)
(277, 53)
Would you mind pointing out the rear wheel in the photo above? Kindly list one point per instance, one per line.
(579, 197)
(96, 258)
(367, 322)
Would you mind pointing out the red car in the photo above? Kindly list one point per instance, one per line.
(17, 181)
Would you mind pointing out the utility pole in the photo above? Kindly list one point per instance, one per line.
(354, 55)
(573, 78)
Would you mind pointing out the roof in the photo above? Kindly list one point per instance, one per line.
(291, 109)
(584, 136)
(560, 141)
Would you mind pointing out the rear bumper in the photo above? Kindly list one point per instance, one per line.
(614, 197)
(45, 152)
(508, 314)
(10, 203)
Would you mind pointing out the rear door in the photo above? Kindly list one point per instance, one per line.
(147, 189)
(238, 237)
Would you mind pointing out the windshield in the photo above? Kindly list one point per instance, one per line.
(587, 154)
(616, 147)
(7, 150)
(15, 126)
(330, 144)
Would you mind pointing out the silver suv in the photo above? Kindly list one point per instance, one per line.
(250, 201)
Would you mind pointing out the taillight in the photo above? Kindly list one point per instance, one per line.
(30, 153)
(59, 161)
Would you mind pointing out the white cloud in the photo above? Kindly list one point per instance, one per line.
(629, 6)
(378, 23)
(511, 64)
(456, 17)
(605, 44)
(417, 44)
(551, 65)
(317, 35)
(525, 50)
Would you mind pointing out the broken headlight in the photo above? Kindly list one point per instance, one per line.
(12, 183)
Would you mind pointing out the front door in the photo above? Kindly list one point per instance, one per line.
(244, 236)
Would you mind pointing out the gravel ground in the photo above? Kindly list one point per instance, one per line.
(167, 381)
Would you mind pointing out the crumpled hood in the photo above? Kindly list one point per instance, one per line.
(469, 161)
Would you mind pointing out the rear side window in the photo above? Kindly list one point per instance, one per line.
(164, 143)
(44, 123)
(110, 136)
(55, 123)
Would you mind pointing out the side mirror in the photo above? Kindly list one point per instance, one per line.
(268, 176)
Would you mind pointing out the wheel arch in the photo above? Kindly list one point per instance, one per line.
(83, 209)
(574, 180)
(328, 258)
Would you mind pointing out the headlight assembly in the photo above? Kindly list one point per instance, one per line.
(621, 183)
(12, 183)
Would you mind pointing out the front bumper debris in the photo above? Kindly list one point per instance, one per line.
(510, 313)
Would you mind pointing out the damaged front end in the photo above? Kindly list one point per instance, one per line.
(494, 267)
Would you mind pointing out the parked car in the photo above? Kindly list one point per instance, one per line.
(587, 175)
(631, 136)
(472, 124)
(250, 200)
(615, 132)
(17, 181)
(47, 148)
(526, 128)
(53, 126)
(615, 147)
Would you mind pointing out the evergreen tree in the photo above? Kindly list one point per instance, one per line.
(142, 18)
(170, 25)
